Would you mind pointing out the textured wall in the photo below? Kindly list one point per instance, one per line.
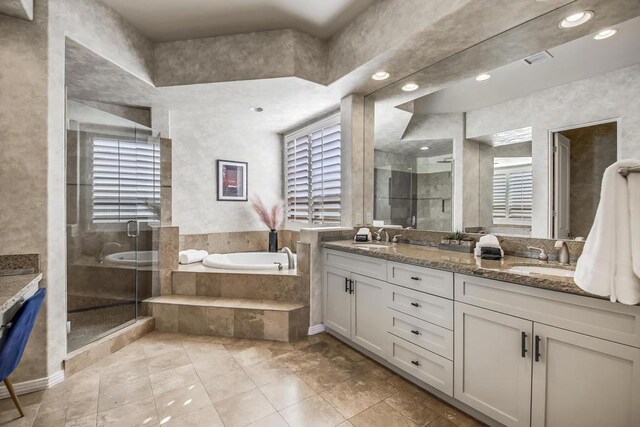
(199, 139)
(23, 175)
(100, 29)
(259, 55)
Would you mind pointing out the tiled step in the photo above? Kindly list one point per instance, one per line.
(231, 317)
(202, 281)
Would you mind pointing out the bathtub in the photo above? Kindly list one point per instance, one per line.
(129, 258)
(247, 261)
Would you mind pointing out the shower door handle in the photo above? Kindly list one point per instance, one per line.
(136, 231)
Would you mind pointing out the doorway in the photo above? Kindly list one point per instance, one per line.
(580, 156)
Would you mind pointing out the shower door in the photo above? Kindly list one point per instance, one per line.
(113, 195)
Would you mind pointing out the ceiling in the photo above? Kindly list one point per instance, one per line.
(170, 20)
(576, 60)
(288, 102)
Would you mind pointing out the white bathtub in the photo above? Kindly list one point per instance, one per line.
(129, 258)
(247, 261)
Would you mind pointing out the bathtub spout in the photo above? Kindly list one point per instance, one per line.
(100, 257)
(290, 258)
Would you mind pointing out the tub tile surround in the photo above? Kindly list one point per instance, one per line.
(243, 241)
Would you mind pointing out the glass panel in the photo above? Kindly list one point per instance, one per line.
(113, 169)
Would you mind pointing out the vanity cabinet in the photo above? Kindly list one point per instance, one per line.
(352, 307)
(522, 356)
(523, 373)
(583, 381)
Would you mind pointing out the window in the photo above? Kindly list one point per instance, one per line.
(126, 181)
(313, 173)
(512, 191)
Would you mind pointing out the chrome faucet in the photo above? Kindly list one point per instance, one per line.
(386, 233)
(291, 261)
(100, 258)
(563, 252)
(395, 238)
(542, 256)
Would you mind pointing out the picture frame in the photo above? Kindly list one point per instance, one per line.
(232, 181)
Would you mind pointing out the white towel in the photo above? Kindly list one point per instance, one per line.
(488, 241)
(608, 265)
(192, 255)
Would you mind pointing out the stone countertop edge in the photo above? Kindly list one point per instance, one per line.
(12, 288)
(464, 263)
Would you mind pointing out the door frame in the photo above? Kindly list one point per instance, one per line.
(551, 158)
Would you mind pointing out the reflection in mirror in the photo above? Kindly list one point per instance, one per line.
(526, 145)
(580, 156)
(413, 184)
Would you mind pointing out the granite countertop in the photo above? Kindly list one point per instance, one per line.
(12, 288)
(466, 263)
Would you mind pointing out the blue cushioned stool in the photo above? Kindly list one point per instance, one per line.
(16, 340)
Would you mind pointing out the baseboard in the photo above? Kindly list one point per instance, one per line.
(316, 329)
(33, 385)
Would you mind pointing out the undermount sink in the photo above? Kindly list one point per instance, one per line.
(547, 271)
(373, 245)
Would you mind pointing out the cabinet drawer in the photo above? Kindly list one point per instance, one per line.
(421, 279)
(424, 334)
(423, 306)
(366, 266)
(429, 367)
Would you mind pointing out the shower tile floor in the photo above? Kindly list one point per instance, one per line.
(90, 325)
(185, 380)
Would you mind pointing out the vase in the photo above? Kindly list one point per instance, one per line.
(273, 241)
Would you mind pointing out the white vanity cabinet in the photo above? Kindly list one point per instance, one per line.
(522, 356)
(353, 303)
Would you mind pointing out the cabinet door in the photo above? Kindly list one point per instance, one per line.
(337, 301)
(368, 314)
(583, 381)
(493, 364)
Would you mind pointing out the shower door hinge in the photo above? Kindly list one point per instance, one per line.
(68, 327)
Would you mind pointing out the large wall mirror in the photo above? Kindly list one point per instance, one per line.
(511, 136)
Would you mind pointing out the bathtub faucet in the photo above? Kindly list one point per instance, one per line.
(290, 259)
(105, 246)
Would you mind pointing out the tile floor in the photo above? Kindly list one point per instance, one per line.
(174, 379)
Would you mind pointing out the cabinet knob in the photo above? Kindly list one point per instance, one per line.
(415, 278)
(415, 304)
(413, 331)
(416, 362)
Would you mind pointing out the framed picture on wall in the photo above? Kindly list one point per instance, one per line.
(232, 181)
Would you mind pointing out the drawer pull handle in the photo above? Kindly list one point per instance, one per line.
(416, 362)
(415, 278)
(415, 304)
(413, 331)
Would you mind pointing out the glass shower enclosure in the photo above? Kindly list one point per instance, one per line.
(113, 217)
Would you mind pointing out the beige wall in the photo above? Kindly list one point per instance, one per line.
(23, 175)
(199, 140)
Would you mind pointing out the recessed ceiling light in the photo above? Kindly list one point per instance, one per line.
(424, 148)
(605, 34)
(380, 75)
(576, 19)
(482, 77)
(410, 87)
(256, 109)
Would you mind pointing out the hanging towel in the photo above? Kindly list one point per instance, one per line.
(490, 245)
(192, 255)
(610, 260)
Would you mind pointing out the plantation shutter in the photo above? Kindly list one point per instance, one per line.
(325, 172)
(520, 196)
(499, 196)
(513, 196)
(313, 175)
(126, 181)
(298, 179)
